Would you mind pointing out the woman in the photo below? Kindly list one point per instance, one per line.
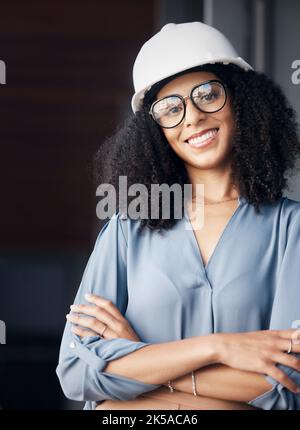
(183, 317)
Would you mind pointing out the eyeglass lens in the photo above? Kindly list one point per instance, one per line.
(208, 97)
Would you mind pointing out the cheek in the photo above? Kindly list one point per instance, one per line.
(228, 124)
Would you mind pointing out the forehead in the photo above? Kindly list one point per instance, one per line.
(183, 84)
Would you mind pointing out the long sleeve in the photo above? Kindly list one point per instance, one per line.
(285, 315)
(82, 361)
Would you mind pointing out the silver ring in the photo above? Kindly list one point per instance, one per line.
(105, 327)
(290, 347)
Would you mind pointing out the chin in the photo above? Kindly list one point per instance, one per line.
(208, 161)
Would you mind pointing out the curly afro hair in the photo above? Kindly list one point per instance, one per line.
(265, 146)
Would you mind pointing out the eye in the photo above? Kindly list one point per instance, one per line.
(168, 107)
(210, 96)
(174, 109)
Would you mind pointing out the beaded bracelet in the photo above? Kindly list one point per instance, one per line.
(172, 389)
(194, 384)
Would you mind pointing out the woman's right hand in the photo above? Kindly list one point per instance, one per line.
(260, 351)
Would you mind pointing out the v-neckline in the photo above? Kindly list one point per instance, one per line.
(241, 200)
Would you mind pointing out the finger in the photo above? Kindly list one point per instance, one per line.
(287, 334)
(108, 305)
(93, 324)
(296, 337)
(101, 314)
(282, 378)
(82, 332)
(289, 360)
(284, 345)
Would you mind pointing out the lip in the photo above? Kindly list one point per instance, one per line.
(200, 133)
(207, 142)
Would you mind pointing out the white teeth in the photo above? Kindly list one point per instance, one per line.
(200, 139)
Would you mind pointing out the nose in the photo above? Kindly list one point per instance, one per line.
(192, 114)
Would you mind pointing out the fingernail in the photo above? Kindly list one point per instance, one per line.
(72, 307)
(68, 315)
(88, 296)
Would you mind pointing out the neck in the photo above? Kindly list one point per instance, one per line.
(217, 183)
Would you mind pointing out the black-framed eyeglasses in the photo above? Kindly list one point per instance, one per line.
(209, 96)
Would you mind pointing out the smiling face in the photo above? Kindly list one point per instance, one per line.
(212, 150)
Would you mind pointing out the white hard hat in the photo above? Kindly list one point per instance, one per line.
(179, 47)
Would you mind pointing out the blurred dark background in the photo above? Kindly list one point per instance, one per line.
(68, 84)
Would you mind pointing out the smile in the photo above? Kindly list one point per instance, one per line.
(204, 139)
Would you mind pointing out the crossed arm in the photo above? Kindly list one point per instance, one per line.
(218, 387)
(222, 382)
(215, 381)
(238, 379)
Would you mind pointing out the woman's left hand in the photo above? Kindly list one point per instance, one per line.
(90, 320)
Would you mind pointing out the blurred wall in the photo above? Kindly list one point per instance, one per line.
(286, 44)
(69, 69)
(267, 34)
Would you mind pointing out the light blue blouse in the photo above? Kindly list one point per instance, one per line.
(160, 284)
